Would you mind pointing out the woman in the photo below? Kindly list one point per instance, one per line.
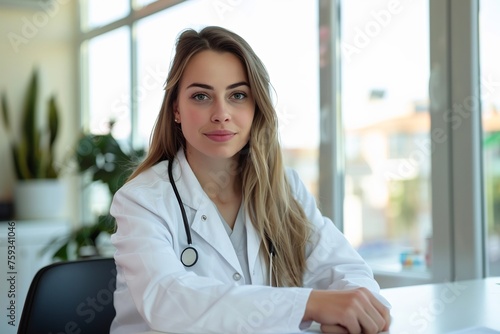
(253, 253)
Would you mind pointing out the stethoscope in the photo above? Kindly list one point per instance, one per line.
(189, 255)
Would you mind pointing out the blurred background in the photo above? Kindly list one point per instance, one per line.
(389, 111)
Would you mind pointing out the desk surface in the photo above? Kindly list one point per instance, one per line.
(442, 308)
(446, 307)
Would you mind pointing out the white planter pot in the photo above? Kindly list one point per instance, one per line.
(40, 199)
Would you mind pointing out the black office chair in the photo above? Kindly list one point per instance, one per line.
(71, 297)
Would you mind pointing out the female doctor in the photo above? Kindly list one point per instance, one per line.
(214, 234)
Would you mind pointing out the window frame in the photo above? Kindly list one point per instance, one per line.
(458, 246)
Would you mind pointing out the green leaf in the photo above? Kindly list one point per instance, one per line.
(62, 253)
(19, 153)
(5, 112)
(53, 121)
(39, 158)
(86, 153)
(106, 223)
(48, 153)
(102, 156)
(29, 130)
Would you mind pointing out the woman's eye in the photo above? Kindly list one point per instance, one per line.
(200, 97)
(239, 96)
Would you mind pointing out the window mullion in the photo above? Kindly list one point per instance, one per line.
(465, 119)
(441, 164)
(331, 168)
(133, 84)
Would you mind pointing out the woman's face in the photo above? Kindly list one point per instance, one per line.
(215, 105)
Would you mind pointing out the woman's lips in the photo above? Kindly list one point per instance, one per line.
(220, 135)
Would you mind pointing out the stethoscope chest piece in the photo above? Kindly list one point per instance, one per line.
(189, 257)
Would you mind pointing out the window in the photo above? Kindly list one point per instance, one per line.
(368, 96)
(490, 103)
(293, 67)
(384, 86)
(402, 136)
(96, 13)
(108, 98)
(128, 57)
(109, 82)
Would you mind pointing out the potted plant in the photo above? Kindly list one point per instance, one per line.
(100, 158)
(38, 193)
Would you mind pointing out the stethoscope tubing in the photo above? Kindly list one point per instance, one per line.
(189, 255)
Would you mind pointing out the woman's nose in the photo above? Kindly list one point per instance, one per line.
(220, 113)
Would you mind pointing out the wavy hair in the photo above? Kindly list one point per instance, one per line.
(267, 196)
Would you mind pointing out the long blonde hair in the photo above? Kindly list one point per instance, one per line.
(268, 199)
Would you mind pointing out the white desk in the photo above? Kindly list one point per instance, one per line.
(441, 308)
(446, 307)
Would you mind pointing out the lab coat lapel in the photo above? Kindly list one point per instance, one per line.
(206, 223)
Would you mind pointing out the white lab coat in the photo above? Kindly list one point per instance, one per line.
(156, 292)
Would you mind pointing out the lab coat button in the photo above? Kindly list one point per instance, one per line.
(203, 217)
(236, 276)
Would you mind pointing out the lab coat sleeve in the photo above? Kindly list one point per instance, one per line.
(171, 299)
(332, 263)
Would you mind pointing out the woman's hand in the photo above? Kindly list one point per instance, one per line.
(349, 311)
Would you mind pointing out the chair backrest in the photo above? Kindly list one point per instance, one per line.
(71, 297)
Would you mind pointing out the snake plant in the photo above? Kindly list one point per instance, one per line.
(32, 146)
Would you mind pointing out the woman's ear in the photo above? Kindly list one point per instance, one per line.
(177, 115)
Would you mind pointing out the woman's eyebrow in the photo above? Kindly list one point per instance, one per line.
(205, 86)
(200, 85)
(241, 83)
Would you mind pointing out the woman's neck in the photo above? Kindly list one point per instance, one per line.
(219, 178)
